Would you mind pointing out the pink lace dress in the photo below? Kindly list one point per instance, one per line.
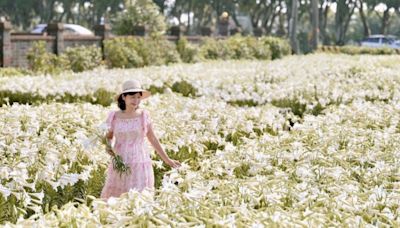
(130, 145)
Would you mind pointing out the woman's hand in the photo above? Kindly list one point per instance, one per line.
(173, 163)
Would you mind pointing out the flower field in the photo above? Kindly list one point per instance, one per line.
(301, 141)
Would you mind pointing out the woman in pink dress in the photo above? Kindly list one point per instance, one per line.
(129, 126)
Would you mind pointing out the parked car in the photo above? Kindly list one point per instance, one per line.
(380, 41)
(396, 44)
(72, 29)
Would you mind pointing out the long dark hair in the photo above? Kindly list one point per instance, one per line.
(121, 102)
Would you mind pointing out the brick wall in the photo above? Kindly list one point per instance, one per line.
(20, 45)
(75, 41)
(14, 47)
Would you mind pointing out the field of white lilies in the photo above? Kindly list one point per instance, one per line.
(304, 141)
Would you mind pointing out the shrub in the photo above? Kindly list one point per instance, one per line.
(170, 53)
(209, 49)
(84, 57)
(357, 50)
(131, 52)
(279, 47)
(121, 53)
(215, 49)
(158, 51)
(188, 53)
(76, 59)
(100, 96)
(41, 61)
(258, 49)
(248, 48)
(185, 88)
(11, 72)
(240, 47)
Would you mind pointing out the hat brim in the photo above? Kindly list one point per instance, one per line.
(145, 93)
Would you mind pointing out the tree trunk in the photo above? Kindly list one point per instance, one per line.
(50, 15)
(347, 22)
(234, 18)
(217, 9)
(179, 17)
(322, 26)
(385, 21)
(314, 22)
(78, 19)
(60, 19)
(342, 19)
(293, 27)
(254, 20)
(367, 30)
(255, 16)
(269, 9)
(281, 28)
(188, 16)
(269, 26)
(339, 18)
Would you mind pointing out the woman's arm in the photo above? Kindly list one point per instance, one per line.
(160, 151)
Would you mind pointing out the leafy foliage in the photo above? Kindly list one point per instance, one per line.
(121, 53)
(77, 59)
(140, 13)
(41, 61)
(215, 49)
(187, 51)
(238, 47)
(100, 96)
(128, 52)
(357, 50)
(185, 88)
(279, 47)
(84, 57)
(11, 72)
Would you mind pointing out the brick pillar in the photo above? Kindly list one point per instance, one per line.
(5, 45)
(104, 31)
(175, 31)
(139, 30)
(206, 31)
(57, 30)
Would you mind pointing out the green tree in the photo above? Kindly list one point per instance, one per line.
(19, 12)
(293, 26)
(262, 13)
(314, 22)
(344, 11)
(387, 15)
(140, 13)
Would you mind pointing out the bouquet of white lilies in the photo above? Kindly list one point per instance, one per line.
(99, 135)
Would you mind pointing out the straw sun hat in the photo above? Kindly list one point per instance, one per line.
(132, 86)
